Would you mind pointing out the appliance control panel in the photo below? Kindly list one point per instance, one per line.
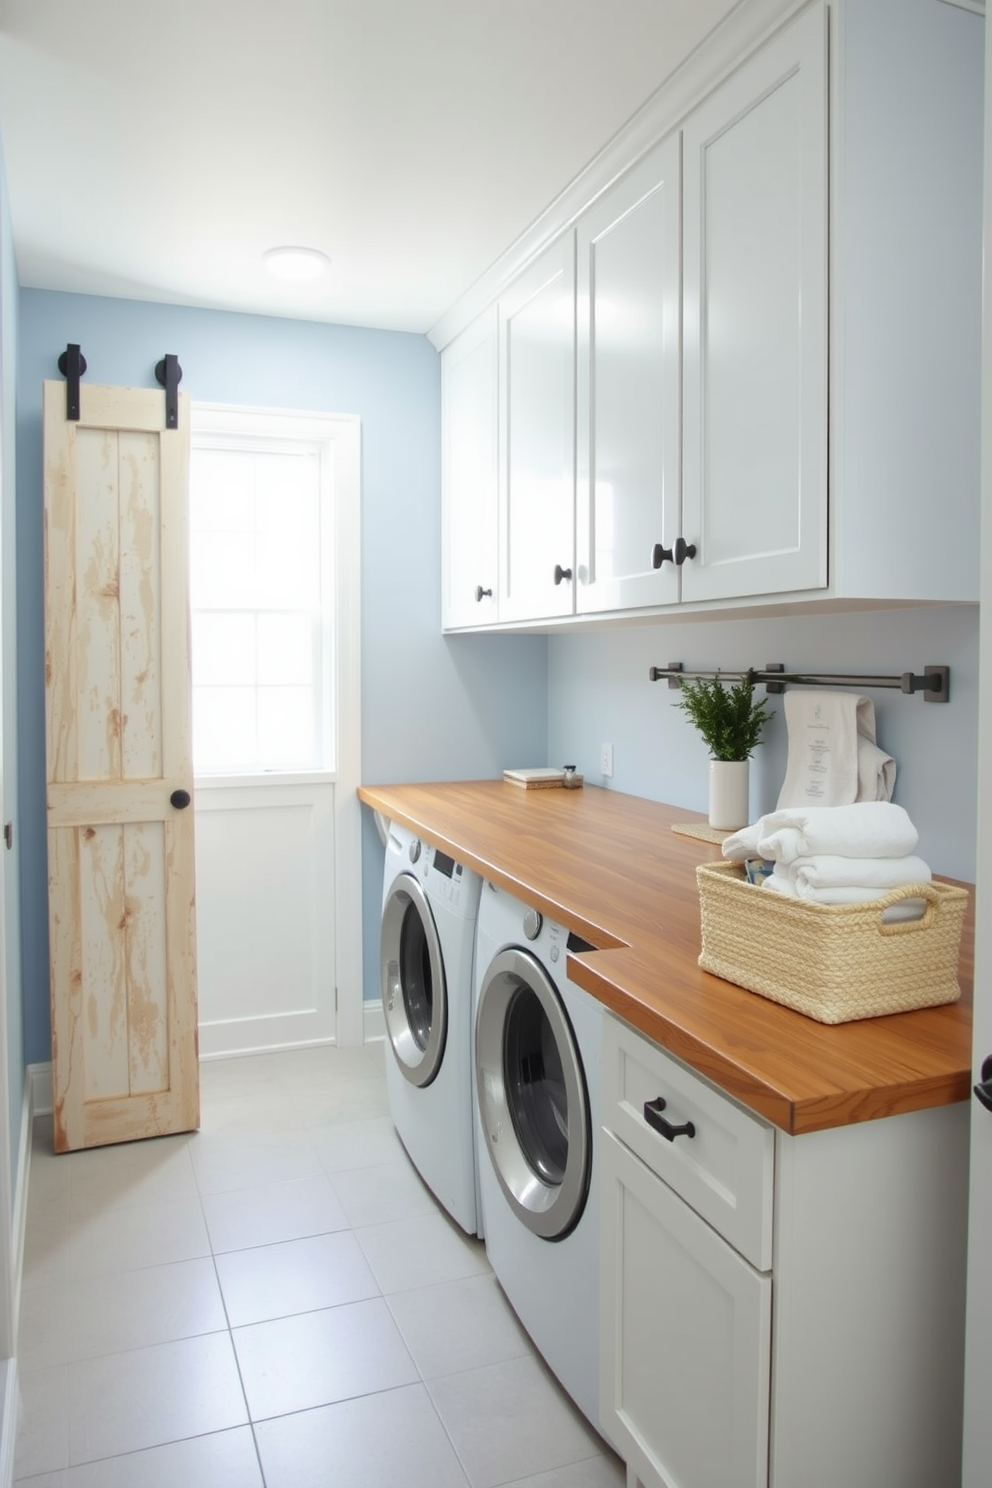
(445, 875)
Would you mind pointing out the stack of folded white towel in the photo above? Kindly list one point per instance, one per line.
(836, 854)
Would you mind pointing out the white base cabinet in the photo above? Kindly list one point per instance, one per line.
(689, 1340)
(832, 1355)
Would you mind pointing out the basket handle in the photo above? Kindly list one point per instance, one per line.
(908, 891)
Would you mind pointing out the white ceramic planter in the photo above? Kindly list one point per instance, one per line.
(728, 794)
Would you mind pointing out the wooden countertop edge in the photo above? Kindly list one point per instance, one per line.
(614, 974)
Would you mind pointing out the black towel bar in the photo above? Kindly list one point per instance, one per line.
(934, 683)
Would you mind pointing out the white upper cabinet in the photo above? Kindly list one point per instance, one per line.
(702, 336)
(747, 370)
(469, 465)
(628, 381)
(537, 438)
(754, 483)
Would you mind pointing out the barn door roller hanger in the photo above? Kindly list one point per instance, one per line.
(168, 373)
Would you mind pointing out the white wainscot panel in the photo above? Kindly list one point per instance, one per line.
(265, 916)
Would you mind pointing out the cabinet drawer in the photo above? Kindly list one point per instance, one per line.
(686, 1339)
(724, 1170)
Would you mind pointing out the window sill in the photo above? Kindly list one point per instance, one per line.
(266, 777)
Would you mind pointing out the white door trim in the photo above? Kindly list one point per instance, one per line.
(977, 1445)
(344, 433)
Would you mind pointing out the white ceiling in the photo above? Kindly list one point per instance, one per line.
(154, 151)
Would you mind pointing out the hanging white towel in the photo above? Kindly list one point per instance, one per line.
(876, 772)
(833, 758)
(867, 829)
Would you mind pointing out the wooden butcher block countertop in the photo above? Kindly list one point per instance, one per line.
(609, 867)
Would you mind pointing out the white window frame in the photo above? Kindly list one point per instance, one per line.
(340, 435)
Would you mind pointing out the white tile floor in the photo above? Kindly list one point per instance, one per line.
(275, 1301)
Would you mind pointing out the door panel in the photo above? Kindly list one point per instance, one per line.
(755, 302)
(537, 425)
(628, 378)
(469, 380)
(121, 878)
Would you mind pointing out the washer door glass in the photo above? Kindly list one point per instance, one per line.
(411, 966)
(535, 1086)
(533, 1103)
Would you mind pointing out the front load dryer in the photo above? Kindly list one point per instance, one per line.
(427, 939)
(538, 1049)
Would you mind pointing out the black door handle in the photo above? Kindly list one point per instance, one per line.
(481, 593)
(653, 1117)
(660, 555)
(984, 1090)
(180, 799)
(561, 573)
(683, 550)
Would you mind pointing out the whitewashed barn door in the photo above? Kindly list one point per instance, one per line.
(120, 843)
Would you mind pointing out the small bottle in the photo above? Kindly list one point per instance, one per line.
(570, 780)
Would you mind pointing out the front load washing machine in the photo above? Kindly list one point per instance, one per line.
(427, 939)
(538, 1048)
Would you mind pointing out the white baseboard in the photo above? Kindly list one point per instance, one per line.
(39, 1083)
(10, 1409)
(20, 1201)
(374, 1021)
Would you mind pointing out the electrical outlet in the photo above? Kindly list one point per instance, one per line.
(606, 759)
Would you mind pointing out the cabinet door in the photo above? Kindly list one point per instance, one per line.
(628, 372)
(754, 493)
(686, 1338)
(537, 433)
(469, 495)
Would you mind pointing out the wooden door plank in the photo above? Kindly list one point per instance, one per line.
(125, 801)
(177, 760)
(60, 610)
(97, 598)
(180, 909)
(140, 606)
(118, 408)
(146, 957)
(67, 988)
(102, 1031)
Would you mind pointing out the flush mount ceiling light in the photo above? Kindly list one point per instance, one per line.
(296, 264)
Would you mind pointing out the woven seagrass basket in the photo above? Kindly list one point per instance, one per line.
(833, 963)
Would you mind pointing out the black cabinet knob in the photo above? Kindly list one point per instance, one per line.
(180, 799)
(683, 550)
(660, 555)
(481, 593)
(561, 573)
(984, 1090)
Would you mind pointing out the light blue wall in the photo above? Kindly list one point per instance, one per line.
(431, 708)
(8, 591)
(599, 692)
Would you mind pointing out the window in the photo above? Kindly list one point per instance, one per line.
(261, 540)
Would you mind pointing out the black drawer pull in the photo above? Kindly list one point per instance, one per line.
(983, 1091)
(653, 1117)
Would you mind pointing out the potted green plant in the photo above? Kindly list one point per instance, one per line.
(730, 722)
